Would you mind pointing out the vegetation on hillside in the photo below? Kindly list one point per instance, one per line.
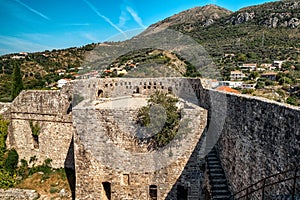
(40, 70)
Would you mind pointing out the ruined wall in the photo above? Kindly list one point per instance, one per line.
(259, 137)
(49, 111)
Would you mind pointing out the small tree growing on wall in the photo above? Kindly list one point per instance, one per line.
(170, 128)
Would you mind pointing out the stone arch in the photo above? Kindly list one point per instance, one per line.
(136, 90)
(100, 93)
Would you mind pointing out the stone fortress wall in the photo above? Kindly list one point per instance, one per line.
(258, 137)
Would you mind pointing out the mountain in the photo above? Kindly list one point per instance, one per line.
(269, 31)
(203, 16)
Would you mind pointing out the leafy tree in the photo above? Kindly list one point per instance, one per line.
(17, 85)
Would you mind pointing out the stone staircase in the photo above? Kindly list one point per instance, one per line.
(217, 179)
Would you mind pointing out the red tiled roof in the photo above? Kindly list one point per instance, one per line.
(227, 89)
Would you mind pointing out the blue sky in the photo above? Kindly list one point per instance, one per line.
(38, 25)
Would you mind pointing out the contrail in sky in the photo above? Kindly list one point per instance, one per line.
(105, 18)
(135, 16)
(32, 10)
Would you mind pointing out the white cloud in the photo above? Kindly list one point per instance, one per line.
(123, 18)
(104, 17)
(90, 37)
(14, 44)
(33, 10)
(135, 16)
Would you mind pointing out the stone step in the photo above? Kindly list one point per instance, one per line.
(221, 197)
(214, 166)
(219, 170)
(220, 192)
(216, 175)
(219, 186)
(211, 162)
(218, 181)
(212, 159)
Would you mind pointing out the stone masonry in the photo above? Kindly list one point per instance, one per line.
(255, 137)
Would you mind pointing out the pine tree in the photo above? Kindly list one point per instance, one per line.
(17, 83)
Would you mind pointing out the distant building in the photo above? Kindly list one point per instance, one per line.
(277, 64)
(122, 72)
(231, 84)
(62, 82)
(267, 66)
(237, 75)
(269, 75)
(248, 85)
(248, 67)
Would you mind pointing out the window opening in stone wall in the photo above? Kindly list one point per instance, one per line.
(182, 193)
(145, 87)
(35, 132)
(100, 93)
(126, 180)
(170, 90)
(153, 192)
(106, 85)
(116, 84)
(107, 191)
(149, 87)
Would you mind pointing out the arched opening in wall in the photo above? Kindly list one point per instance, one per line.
(136, 90)
(182, 193)
(106, 191)
(170, 90)
(153, 192)
(100, 93)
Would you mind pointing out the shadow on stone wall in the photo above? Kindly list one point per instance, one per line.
(69, 166)
(190, 183)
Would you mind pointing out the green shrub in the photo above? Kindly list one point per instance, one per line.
(156, 102)
(11, 161)
(53, 190)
